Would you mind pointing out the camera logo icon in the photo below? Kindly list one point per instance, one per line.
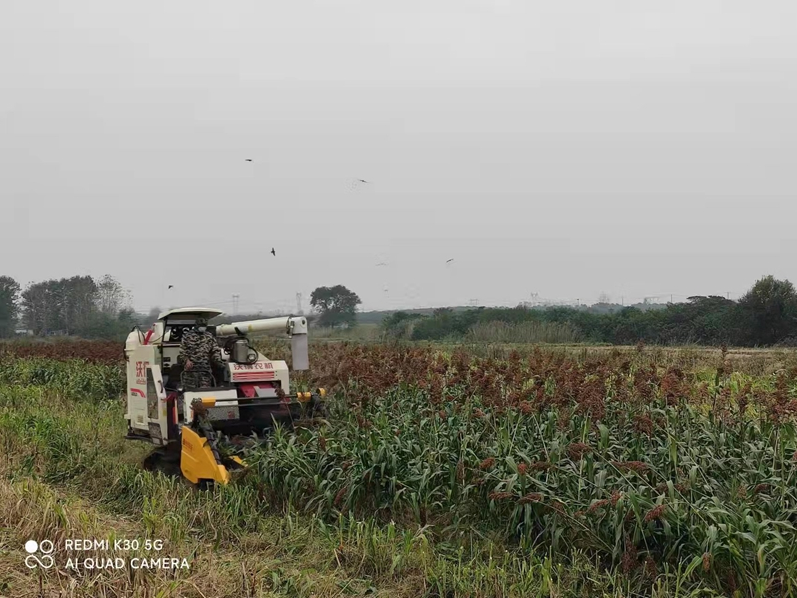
(33, 548)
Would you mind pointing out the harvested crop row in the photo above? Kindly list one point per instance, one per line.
(98, 351)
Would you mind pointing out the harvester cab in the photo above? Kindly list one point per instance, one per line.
(199, 431)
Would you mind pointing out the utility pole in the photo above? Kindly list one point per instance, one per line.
(299, 310)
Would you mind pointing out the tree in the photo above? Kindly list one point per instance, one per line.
(769, 311)
(335, 305)
(77, 303)
(110, 295)
(9, 304)
(400, 324)
(38, 304)
(68, 305)
(79, 306)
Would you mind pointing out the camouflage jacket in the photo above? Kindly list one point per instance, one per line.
(201, 348)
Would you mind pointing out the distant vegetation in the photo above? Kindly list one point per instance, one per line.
(335, 306)
(765, 316)
(77, 306)
(523, 332)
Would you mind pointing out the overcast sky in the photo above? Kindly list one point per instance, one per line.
(565, 148)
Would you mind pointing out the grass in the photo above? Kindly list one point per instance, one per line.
(439, 474)
(358, 332)
(523, 332)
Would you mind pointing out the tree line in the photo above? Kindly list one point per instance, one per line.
(765, 316)
(79, 306)
(100, 308)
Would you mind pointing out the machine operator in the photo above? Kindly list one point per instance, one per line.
(198, 353)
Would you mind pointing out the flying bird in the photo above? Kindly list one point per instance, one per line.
(355, 183)
(451, 260)
(381, 264)
(249, 159)
(274, 253)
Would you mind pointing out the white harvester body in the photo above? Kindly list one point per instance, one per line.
(250, 393)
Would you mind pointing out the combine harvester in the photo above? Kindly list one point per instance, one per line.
(193, 426)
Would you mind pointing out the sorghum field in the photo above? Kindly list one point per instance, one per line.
(442, 471)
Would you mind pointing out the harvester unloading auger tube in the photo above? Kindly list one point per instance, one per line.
(202, 432)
